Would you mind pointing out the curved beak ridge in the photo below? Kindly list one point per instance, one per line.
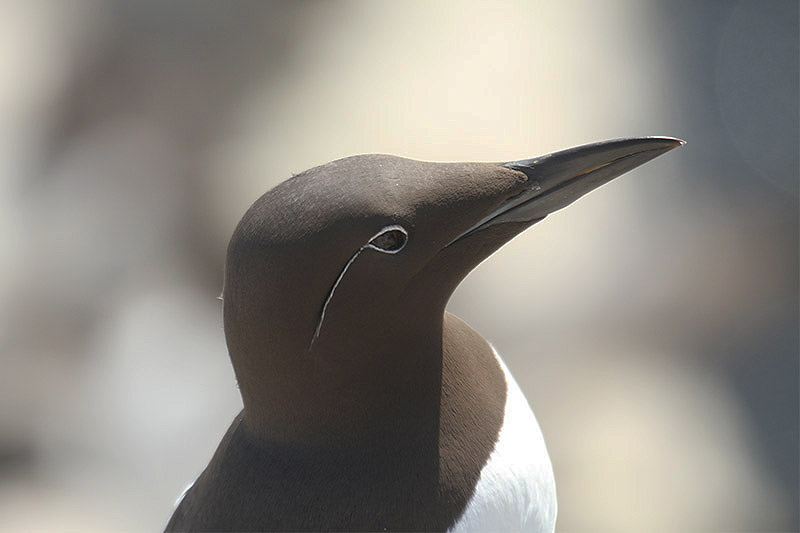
(558, 179)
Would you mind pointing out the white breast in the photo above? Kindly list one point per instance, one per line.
(516, 490)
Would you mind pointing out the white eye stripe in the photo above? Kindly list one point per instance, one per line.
(384, 231)
(389, 240)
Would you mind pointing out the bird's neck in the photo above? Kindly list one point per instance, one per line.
(370, 388)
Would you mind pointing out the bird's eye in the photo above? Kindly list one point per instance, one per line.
(389, 240)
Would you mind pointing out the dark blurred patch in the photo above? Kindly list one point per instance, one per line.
(184, 63)
(759, 105)
(181, 67)
(735, 77)
(767, 381)
(16, 458)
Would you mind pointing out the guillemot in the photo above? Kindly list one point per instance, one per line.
(367, 407)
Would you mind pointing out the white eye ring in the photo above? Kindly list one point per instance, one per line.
(389, 240)
(393, 244)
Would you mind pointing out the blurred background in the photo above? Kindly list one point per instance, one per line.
(653, 325)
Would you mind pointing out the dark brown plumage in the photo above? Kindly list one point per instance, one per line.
(366, 406)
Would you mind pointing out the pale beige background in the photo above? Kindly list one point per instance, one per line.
(653, 325)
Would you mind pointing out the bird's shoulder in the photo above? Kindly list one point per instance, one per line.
(516, 490)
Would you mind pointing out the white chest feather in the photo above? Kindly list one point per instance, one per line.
(516, 490)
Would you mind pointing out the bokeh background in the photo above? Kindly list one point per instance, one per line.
(653, 325)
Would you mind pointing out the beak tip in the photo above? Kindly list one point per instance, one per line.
(673, 141)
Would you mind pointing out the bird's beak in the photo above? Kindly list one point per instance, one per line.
(558, 179)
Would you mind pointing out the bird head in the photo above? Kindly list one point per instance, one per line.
(342, 273)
